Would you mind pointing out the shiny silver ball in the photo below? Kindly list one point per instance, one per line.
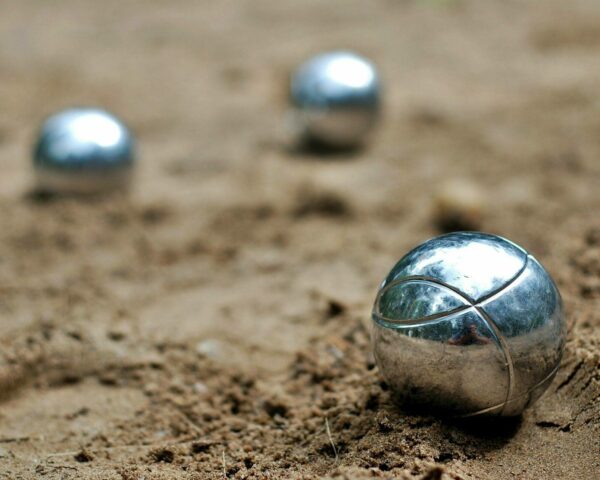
(336, 99)
(468, 324)
(83, 150)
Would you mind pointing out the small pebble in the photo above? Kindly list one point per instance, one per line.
(459, 205)
(200, 387)
(210, 348)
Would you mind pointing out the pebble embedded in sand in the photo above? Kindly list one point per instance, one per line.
(210, 348)
(459, 205)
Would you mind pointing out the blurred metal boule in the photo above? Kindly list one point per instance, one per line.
(83, 150)
(336, 99)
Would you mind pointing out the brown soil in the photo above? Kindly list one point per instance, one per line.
(214, 323)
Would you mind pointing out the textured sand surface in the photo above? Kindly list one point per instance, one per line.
(214, 323)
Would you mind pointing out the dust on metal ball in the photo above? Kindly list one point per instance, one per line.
(468, 324)
(336, 99)
(83, 150)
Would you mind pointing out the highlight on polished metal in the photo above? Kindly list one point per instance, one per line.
(468, 324)
(335, 98)
(83, 150)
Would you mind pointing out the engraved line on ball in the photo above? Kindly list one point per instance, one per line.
(470, 302)
(514, 399)
(492, 324)
(378, 316)
(501, 290)
(505, 350)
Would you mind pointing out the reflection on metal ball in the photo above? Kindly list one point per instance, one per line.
(83, 150)
(468, 324)
(336, 99)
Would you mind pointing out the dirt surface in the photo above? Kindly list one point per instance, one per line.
(214, 323)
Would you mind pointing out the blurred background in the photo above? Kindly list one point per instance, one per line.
(210, 321)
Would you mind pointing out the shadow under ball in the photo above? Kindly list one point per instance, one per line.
(468, 324)
(336, 99)
(83, 150)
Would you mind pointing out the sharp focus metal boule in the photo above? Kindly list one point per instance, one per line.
(468, 324)
(336, 99)
(83, 150)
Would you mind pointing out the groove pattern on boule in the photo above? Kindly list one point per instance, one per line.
(468, 323)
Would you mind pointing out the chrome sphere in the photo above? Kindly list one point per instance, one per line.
(83, 150)
(468, 324)
(335, 98)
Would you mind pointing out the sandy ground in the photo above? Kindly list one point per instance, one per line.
(214, 323)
